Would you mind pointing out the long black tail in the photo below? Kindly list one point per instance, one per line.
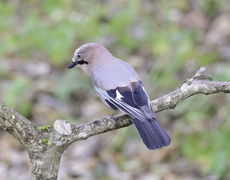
(152, 133)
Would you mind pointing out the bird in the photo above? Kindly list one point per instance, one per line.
(120, 88)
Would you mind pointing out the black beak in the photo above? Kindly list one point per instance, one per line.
(72, 64)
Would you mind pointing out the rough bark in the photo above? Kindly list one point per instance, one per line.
(46, 145)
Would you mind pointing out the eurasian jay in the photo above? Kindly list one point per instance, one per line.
(119, 87)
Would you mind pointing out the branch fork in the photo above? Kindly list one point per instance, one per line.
(46, 146)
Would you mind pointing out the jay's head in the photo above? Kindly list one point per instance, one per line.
(88, 55)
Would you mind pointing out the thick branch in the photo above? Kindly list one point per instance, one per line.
(18, 126)
(67, 133)
(45, 147)
(190, 87)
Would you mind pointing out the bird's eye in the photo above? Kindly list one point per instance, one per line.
(79, 55)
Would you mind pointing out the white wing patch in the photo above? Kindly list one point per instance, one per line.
(118, 95)
(126, 108)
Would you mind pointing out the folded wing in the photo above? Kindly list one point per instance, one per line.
(134, 101)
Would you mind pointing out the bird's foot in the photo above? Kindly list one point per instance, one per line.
(110, 117)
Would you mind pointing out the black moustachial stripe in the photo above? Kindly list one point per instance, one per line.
(82, 62)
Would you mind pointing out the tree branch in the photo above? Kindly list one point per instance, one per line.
(195, 85)
(190, 87)
(46, 146)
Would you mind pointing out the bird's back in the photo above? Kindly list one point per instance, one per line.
(113, 73)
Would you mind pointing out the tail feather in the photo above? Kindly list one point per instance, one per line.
(152, 133)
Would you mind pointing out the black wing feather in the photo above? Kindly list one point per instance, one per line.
(140, 97)
(134, 101)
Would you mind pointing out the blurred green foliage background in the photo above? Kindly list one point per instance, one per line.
(165, 41)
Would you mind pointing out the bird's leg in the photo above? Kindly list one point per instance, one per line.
(110, 117)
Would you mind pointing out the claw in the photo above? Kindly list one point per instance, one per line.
(110, 117)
